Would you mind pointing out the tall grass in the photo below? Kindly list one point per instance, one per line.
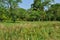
(30, 31)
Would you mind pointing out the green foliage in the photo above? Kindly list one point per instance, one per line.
(10, 11)
(34, 16)
(39, 4)
(55, 11)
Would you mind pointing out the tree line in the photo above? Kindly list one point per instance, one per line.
(41, 10)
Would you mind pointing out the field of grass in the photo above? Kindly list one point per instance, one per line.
(30, 31)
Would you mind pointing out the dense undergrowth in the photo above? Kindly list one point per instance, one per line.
(30, 31)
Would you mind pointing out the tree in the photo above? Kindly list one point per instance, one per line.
(12, 5)
(55, 10)
(2, 14)
(39, 4)
(21, 14)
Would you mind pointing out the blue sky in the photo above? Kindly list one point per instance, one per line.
(26, 4)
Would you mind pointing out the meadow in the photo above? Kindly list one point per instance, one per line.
(49, 30)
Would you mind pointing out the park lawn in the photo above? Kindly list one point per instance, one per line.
(24, 30)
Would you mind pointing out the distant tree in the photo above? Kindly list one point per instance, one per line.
(21, 13)
(2, 14)
(39, 4)
(55, 10)
(12, 5)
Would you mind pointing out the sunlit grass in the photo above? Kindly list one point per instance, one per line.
(30, 30)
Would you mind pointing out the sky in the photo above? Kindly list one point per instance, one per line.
(26, 4)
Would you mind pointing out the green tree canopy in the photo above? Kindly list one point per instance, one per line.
(39, 4)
